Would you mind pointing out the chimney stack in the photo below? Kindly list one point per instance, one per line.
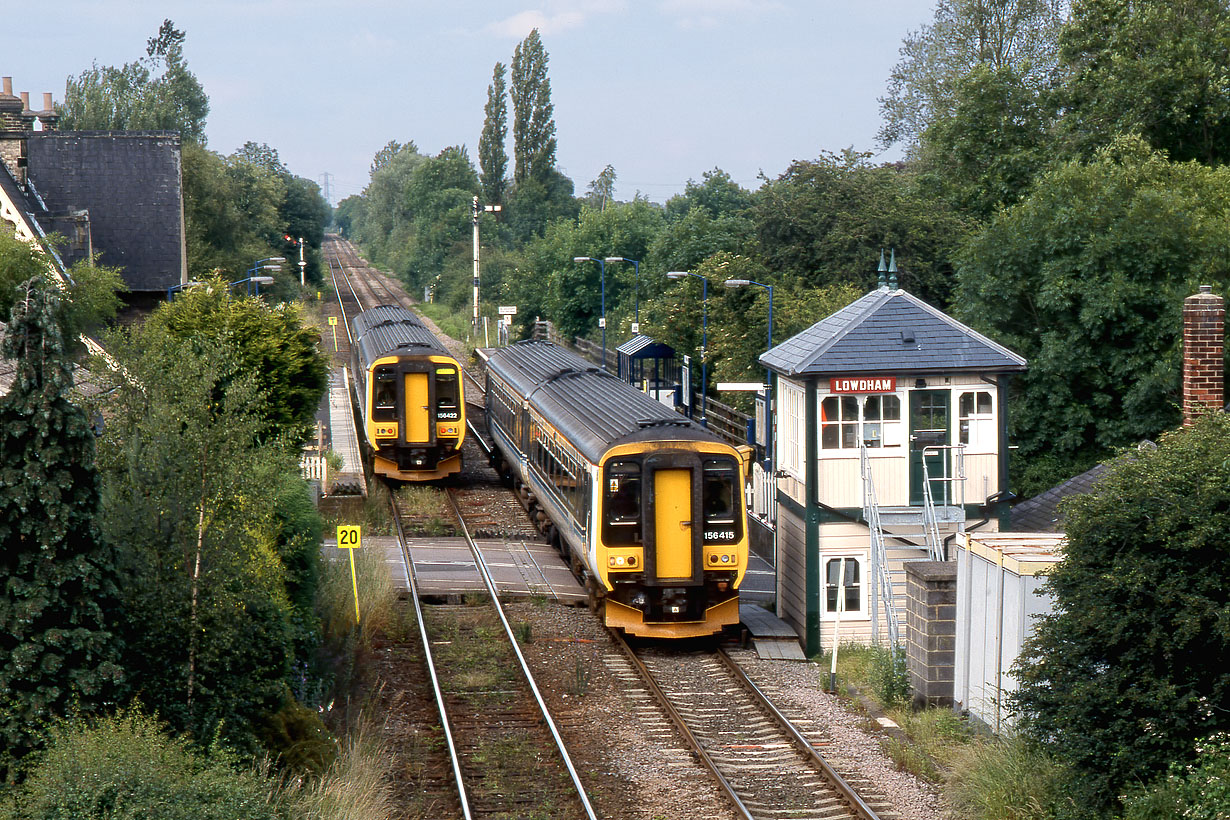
(48, 116)
(13, 128)
(1204, 316)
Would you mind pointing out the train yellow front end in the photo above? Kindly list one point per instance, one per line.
(671, 550)
(417, 420)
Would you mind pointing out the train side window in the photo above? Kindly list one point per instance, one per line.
(720, 499)
(622, 503)
(384, 394)
(447, 394)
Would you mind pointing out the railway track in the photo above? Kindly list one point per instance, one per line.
(506, 755)
(767, 768)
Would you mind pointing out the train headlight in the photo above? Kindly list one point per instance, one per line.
(639, 600)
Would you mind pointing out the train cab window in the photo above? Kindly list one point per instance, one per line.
(384, 394)
(622, 503)
(720, 501)
(447, 394)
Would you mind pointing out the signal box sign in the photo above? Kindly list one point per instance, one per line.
(863, 384)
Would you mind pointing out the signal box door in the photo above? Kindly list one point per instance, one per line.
(929, 410)
(673, 522)
(418, 410)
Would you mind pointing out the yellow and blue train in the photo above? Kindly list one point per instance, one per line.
(411, 395)
(648, 506)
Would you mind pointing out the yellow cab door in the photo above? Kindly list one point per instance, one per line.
(418, 421)
(673, 522)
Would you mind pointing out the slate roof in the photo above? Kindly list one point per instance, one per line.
(131, 184)
(1041, 513)
(644, 347)
(889, 331)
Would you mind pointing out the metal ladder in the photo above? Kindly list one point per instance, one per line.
(882, 583)
(935, 548)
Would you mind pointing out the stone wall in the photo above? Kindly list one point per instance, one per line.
(931, 630)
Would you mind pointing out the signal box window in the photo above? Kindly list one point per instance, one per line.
(384, 395)
(842, 585)
(622, 503)
(720, 502)
(976, 419)
(848, 422)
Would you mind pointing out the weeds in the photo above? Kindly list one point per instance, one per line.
(355, 787)
(525, 632)
(1002, 779)
(579, 682)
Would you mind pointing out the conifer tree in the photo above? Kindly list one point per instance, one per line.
(58, 590)
(491, 154)
(533, 112)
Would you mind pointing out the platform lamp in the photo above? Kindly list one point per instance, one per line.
(602, 276)
(636, 291)
(704, 340)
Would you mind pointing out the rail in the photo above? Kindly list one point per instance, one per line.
(489, 583)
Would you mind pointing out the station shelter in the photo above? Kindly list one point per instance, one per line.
(891, 437)
(650, 366)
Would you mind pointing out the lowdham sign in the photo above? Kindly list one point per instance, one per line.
(863, 384)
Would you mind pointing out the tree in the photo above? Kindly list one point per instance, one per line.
(987, 152)
(59, 644)
(1128, 672)
(1086, 277)
(533, 112)
(825, 221)
(191, 491)
(273, 346)
(157, 92)
(1158, 69)
(965, 34)
(602, 189)
(717, 194)
(93, 299)
(492, 157)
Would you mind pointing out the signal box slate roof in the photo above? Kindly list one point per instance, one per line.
(889, 331)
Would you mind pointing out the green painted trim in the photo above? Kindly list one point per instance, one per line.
(795, 508)
(811, 638)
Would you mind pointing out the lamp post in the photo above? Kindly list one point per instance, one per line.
(704, 340)
(602, 276)
(257, 280)
(768, 376)
(474, 212)
(636, 268)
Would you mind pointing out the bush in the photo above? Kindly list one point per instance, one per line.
(890, 678)
(124, 767)
(1199, 791)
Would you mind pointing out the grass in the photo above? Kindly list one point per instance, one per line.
(425, 511)
(982, 777)
(355, 787)
(376, 516)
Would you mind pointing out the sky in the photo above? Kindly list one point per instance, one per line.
(661, 90)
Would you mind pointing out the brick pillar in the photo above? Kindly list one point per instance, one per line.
(1203, 340)
(931, 630)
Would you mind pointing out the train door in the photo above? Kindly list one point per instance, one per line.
(418, 410)
(673, 522)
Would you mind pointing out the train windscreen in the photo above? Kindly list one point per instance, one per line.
(720, 501)
(448, 394)
(622, 503)
(384, 394)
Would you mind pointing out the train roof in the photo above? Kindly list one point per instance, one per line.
(592, 408)
(390, 330)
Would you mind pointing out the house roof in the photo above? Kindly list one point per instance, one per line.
(889, 331)
(130, 184)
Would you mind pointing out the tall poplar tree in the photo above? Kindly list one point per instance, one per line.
(58, 589)
(492, 157)
(533, 112)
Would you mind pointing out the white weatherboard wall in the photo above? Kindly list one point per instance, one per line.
(998, 576)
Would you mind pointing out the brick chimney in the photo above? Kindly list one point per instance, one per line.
(13, 128)
(1204, 316)
(48, 116)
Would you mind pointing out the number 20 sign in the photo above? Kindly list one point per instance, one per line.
(349, 537)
